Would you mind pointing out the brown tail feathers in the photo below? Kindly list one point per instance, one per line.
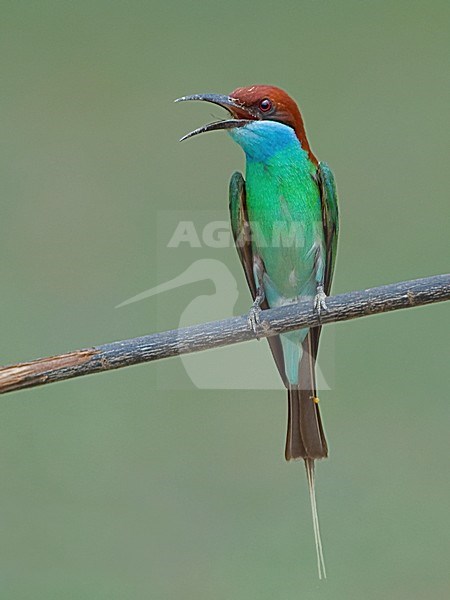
(305, 436)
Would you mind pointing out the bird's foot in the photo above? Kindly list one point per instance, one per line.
(254, 315)
(319, 300)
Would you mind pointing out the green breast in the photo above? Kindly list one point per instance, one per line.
(284, 210)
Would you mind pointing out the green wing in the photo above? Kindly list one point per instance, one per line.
(330, 218)
(241, 227)
(243, 242)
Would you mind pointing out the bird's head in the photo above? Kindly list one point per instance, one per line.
(256, 103)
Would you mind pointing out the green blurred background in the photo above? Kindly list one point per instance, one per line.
(134, 484)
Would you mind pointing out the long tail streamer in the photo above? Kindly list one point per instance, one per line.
(309, 464)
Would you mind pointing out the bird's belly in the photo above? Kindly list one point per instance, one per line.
(287, 249)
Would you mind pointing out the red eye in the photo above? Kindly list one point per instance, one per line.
(265, 105)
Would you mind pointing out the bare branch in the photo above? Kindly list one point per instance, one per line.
(147, 348)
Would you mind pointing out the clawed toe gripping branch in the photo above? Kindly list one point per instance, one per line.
(116, 355)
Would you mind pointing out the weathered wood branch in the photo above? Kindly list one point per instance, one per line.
(116, 355)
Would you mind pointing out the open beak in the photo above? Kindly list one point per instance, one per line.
(241, 115)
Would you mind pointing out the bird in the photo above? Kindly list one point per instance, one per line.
(284, 219)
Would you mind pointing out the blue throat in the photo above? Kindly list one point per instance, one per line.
(262, 140)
